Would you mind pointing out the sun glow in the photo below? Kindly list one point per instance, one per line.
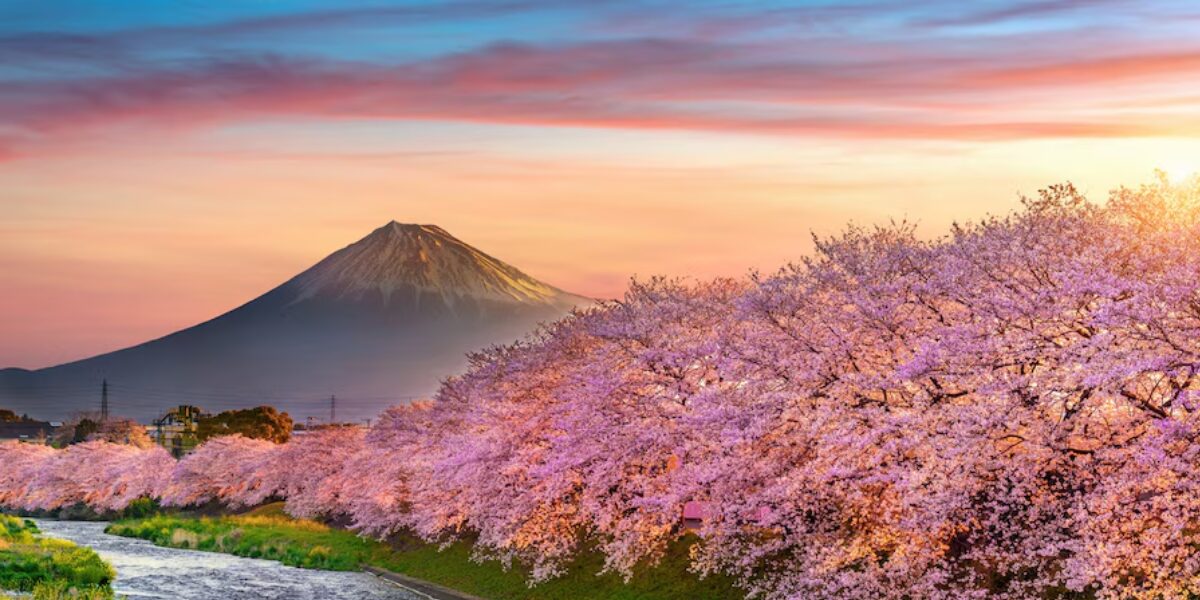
(1180, 172)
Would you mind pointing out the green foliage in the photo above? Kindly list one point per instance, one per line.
(61, 590)
(15, 529)
(49, 568)
(262, 423)
(84, 430)
(141, 508)
(268, 533)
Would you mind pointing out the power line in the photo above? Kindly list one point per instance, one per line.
(214, 394)
(322, 400)
(118, 390)
(275, 392)
(251, 395)
(121, 398)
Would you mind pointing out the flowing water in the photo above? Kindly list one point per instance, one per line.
(148, 571)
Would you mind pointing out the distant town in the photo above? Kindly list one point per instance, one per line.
(180, 429)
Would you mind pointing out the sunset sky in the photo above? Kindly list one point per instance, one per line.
(164, 161)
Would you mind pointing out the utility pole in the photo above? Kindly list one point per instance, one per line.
(104, 400)
(332, 410)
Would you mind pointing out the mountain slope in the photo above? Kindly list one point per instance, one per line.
(379, 321)
(399, 259)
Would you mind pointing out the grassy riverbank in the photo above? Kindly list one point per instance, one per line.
(268, 533)
(47, 568)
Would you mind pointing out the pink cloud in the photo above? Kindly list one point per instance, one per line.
(636, 84)
(1092, 71)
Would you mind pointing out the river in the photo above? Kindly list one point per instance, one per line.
(148, 571)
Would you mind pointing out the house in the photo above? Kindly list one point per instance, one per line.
(27, 431)
(176, 430)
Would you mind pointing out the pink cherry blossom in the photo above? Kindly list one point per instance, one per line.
(233, 470)
(1009, 411)
(312, 471)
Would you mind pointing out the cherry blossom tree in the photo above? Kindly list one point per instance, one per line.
(123, 431)
(375, 488)
(309, 471)
(232, 469)
(890, 417)
(103, 475)
(19, 466)
(126, 473)
(1009, 411)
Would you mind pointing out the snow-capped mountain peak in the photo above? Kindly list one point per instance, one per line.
(403, 262)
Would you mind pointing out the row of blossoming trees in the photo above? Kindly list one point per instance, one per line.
(1009, 411)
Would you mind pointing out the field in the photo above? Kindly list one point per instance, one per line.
(270, 534)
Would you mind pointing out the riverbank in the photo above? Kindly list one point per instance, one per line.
(48, 568)
(268, 533)
(146, 570)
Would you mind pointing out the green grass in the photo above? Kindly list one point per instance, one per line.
(306, 544)
(49, 568)
(268, 533)
(60, 590)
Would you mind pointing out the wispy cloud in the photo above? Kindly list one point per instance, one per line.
(879, 80)
(972, 14)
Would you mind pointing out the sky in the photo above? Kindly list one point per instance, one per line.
(162, 162)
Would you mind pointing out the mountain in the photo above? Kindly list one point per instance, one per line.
(375, 323)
